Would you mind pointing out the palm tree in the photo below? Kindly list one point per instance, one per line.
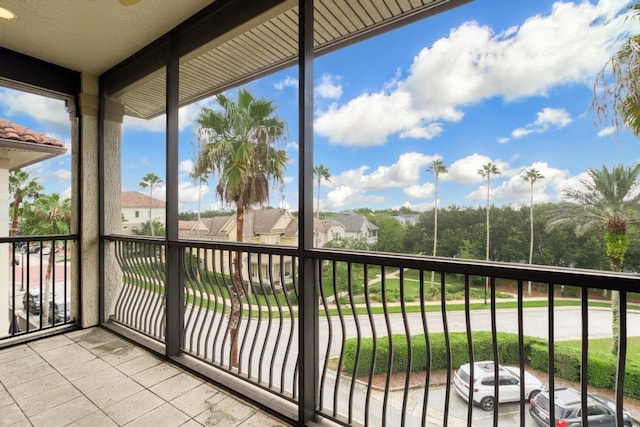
(609, 202)
(618, 101)
(437, 167)
(531, 175)
(149, 180)
(486, 172)
(321, 172)
(48, 215)
(21, 188)
(241, 150)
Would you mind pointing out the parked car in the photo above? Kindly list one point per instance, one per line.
(59, 311)
(484, 384)
(568, 409)
(31, 301)
(46, 250)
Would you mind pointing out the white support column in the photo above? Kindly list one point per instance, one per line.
(5, 288)
(112, 158)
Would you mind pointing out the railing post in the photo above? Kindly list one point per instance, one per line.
(174, 285)
(308, 306)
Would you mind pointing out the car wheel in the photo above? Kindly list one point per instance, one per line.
(487, 403)
(533, 394)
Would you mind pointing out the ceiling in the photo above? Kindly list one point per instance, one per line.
(94, 36)
(89, 36)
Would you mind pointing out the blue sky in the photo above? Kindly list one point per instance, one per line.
(495, 80)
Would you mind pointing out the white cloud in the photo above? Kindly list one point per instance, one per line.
(344, 195)
(188, 192)
(474, 63)
(547, 118)
(287, 82)
(61, 174)
(328, 87)
(418, 207)
(405, 172)
(186, 166)
(465, 170)
(503, 140)
(420, 191)
(611, 130)
(292, 145)
(368, 119)
(353, 187)
(40, 108)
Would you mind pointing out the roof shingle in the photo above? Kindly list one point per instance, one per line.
(14, 132)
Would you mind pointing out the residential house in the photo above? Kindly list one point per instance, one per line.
(138, 208)
(358, 226)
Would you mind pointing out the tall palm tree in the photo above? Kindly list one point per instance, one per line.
(617, 86)
(531, 175)
(321, 172)
(437, 167)
(48, 215)
(486, 171)
(150, 180)
(608, 202)
(21, 188)
(241, 150)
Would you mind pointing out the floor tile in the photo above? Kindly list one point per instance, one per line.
(52, 343)
(95, 419)
(156, 374)
(227, 412)
(100, 378)
(84, 368)
(64, 414)
(51, 398)
(132, 407)
(16, 353)
(175, 386)
(38, 384)
(195, 401)
(11, 414)
(114, 392)
(139, 364)
(165, 415)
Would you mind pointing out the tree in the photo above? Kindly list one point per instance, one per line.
(617, 86)
(486, 172)
(608, 202)
(241, 150)
(437, 167)
(149, 180)
(47, 215)
(321, 172)
(531, 175)
(21, 188)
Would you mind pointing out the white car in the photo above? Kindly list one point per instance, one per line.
(484, 384)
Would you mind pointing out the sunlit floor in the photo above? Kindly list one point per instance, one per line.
(94, 378)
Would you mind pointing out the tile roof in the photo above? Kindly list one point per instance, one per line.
(134, 199)
(14, 132)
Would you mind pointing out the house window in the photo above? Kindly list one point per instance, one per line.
(137, 214)
(277, 240)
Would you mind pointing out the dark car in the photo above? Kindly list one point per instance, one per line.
(568, 409)
(31, 301)
(59, 311)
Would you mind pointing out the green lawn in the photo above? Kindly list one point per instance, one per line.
(603, 346)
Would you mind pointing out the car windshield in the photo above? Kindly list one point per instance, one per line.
(464, 376)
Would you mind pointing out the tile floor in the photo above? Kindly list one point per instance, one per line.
(94, 378)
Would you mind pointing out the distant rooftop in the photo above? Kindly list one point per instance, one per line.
(11, 131)
(134, 199)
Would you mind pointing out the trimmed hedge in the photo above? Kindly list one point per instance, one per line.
(378, 355)
(379, 350)
(601, 369)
